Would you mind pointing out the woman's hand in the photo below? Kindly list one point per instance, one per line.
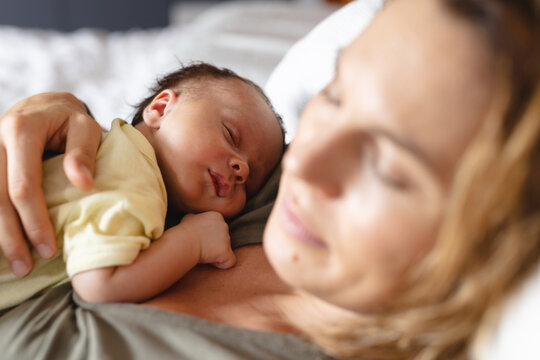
(56, 122)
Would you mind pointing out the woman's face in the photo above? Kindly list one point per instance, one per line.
(366, 179)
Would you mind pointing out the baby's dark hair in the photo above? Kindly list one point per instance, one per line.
(198, 70)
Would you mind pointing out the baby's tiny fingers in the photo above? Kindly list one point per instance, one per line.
(227, 263)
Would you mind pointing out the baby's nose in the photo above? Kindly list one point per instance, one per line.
(240, 170)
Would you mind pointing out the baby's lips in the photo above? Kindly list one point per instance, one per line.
(221, 185)
(224, 189)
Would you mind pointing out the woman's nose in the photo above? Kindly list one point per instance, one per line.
(240, 170)
(319, 159)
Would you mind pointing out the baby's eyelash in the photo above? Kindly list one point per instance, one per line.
(231, 136)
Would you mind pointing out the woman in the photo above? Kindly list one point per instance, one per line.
(408, 206)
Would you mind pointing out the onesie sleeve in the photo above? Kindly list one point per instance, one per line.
(110, 229)
(121, 215)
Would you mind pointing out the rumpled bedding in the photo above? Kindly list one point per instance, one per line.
(111, 71)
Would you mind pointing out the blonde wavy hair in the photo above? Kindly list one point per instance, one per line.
(489, 241)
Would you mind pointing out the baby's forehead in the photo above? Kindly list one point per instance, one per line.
(234, 96)
(203, 84)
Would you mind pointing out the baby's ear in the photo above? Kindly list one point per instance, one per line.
(160, 106)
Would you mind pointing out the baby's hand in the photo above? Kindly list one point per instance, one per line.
(212, 232)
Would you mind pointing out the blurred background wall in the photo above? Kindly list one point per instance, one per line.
(69, 15)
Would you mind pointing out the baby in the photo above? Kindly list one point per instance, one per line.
(210, 138)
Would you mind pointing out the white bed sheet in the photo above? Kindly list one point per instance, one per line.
(111, 71)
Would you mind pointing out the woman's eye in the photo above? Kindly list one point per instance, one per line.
(387, 169)
(330, 94)
(393, 181)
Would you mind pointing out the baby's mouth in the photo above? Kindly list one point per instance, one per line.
(221, 186)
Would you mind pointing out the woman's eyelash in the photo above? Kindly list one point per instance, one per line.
(393, 181)
(331, 96)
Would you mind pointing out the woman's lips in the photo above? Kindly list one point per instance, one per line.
(295, 227)
(221, 186)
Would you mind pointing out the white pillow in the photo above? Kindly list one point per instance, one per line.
(514, 333)
(309, 65)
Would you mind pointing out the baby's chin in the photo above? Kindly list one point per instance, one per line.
(228, 212)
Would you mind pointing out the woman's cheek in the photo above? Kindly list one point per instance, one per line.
(385, 232)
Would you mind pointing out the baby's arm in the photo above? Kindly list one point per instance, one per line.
(201, 238)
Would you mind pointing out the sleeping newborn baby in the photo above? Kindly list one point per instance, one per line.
(198, 147)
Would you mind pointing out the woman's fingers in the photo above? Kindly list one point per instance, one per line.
(12, 243)
(82, 143)
(24, 166)
(50, 121)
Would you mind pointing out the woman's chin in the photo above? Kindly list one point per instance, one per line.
(294, 260)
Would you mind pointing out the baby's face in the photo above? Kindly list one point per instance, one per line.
(216, 145)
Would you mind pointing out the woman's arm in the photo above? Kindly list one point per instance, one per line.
(201, 238)
(52, 121)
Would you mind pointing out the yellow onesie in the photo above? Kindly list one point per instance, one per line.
(106, 226)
